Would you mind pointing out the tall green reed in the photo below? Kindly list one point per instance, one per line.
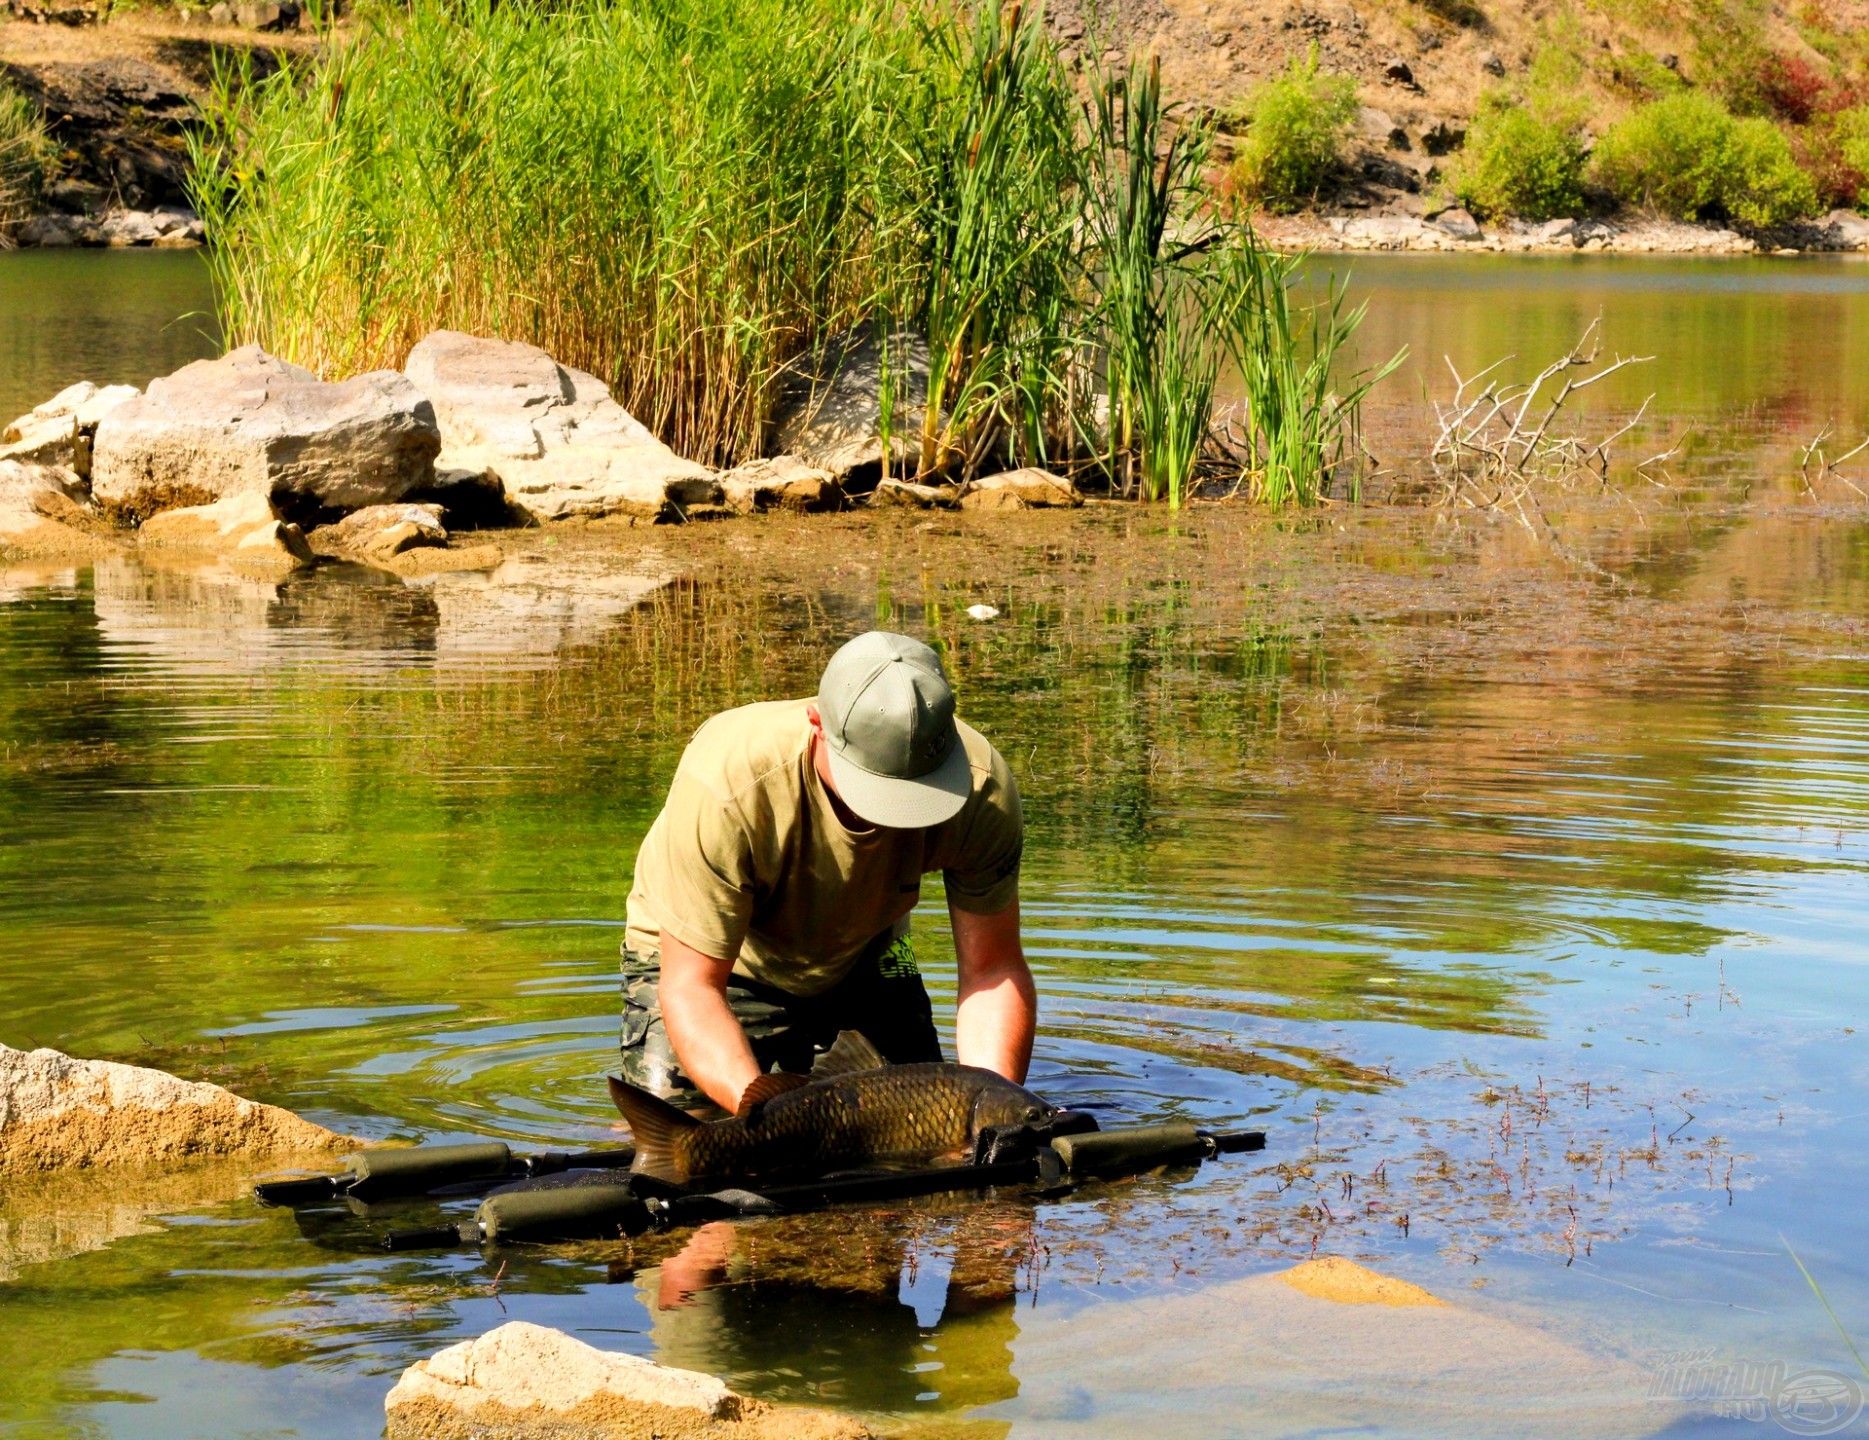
(1302, 413)
(676, 197)
(692, 200)
(25, 152)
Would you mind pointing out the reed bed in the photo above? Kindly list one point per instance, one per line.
(692, 199)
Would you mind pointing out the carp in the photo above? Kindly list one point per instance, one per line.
(853, 1110)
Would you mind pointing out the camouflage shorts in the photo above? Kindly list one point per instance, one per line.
(883, 996)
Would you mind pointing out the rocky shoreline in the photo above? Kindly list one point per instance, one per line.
(263, 467)
(1455, 231)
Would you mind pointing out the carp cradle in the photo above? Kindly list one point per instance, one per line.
(558, 1195)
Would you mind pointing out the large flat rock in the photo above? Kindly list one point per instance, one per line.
(554, 438)
(525, 1382)
(248, 423)
(1329, 1347)
(59, 1113)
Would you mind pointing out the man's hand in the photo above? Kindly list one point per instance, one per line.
(997, 1008)
(708, 1041)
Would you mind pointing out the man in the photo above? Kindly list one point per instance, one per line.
(772, 894)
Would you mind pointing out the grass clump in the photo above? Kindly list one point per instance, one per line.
(1298, 123)
(1516, 163)
(25, 154)
(1688, 157)
(694, 201)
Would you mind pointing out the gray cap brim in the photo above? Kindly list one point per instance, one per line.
(898, 804)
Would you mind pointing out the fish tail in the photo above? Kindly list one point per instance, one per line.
(659, 1130)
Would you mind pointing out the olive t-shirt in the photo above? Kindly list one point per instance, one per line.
(748, 858)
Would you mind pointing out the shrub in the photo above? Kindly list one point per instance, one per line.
(1515, 163)
(24, 154)
(1688, 157)
(1763, 185)
(1298, 123)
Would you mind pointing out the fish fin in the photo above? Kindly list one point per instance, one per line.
(849, 1053)
(765, 1088)
(657, 1127)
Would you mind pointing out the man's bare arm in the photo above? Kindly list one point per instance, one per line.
(706, 1037)
(997, 1009)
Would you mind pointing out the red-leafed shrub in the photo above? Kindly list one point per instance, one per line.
(1794, 89)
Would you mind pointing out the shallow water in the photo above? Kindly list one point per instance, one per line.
(1513, 904)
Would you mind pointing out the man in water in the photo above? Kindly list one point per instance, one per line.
(771, 902)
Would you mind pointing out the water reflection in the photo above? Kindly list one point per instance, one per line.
(893, 1313)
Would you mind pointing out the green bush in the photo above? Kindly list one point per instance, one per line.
(1686, 156)
(1297, 126)
(1763, 184)
(1515, 163)
(24, 154)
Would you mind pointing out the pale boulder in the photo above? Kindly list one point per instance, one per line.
(59, 431)
(553, 437)
(1024, 489)
(250, 424)
(833, 417)
(244, 530)
(59, 1113)
(524, 1380)
(43, 513)
(782, 483)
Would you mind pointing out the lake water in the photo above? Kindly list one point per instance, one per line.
(1523, 908)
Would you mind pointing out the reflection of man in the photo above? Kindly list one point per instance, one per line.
(772, 894)
(808, 1314)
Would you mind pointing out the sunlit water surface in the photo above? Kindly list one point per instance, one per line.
(1524, 912)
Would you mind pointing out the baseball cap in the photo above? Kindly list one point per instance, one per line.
(888, 714)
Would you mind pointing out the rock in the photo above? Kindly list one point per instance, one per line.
(43, 514)
(242, 529)
(1553, 231)
(1492, 64)
(122, 229)
(47, 232)
(523, 1380)
(251, 424)
(60, 431)
(782, 483)
(906, 492)
(1473, 1370)
(1024, 489)
(1457, 223)
(833, 418)
(983, 612)
(553, 437)
(1847, 230)
(59, 1113)
(1384, 232)
(377, 534)
(1332, 1277)
(271, 16)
